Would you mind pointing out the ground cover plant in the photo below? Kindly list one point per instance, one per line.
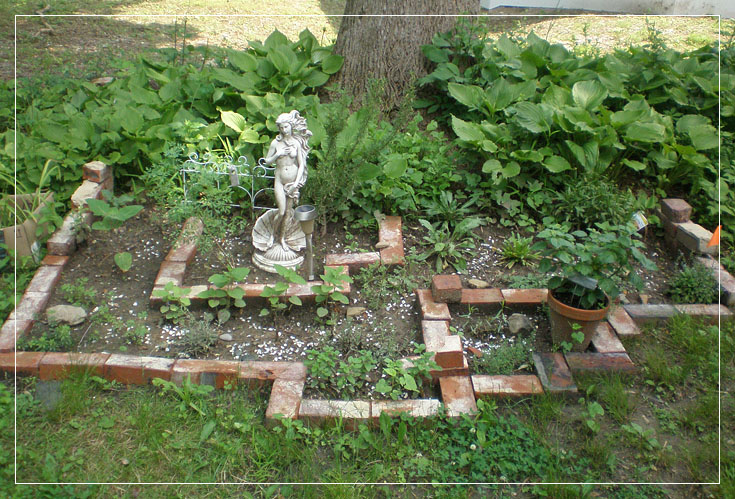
(523, 127)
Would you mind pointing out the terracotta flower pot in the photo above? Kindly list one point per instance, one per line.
(563, 317)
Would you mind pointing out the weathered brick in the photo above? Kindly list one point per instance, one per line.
(671, 229)
(485, 299)
(643, 314)
(88, 190)
(727, 285)
(676, 210)
(458, 395)
(96, 171)
(352, 413)
(450, 355)
(58, 365)
(285, 400)
(45, 279)
(21, 362)
(446, 288)
(206, 372)
(710, 263)
(30, 306)
(621, 322)
(391, 233)
(352, 260)
(263, 370)
(56, 260)
(137, 370)
(12, 330)
(464, 370)
(434, 334)
(430, 310)
(182, 252)
(63, 242)
(506, 386)
(171, 272)
(584, 361)
(554, 373)
(708, 313)
(524, 297)
(605, 340)
(417, 408)
(695, 238)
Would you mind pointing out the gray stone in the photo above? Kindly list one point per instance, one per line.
(66, 314)
(48, 393)
(355, 311)
(695, 238)
(518, 323)
(478, 283)
(225, 337)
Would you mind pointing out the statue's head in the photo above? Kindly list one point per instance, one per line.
(296, 122)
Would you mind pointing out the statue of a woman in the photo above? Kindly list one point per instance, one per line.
(276, 235)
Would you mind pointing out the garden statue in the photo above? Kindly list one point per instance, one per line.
(277, 236)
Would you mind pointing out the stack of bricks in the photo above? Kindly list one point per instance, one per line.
(681, 232)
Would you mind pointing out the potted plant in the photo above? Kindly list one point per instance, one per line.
(589, 267)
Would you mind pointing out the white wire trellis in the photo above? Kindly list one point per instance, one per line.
(241, 175)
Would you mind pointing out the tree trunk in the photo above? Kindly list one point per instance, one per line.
(381, 39)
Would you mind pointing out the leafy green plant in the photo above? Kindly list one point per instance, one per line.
(57, 338)
(529, 281)
(135, 332)
(507, 357)
(591, 410)
(79, 293)
(406, 377)
(604, 254)
(517, 249)
(275, 294)
(343, 378)
(328, 294)
(190, 395)
(224, 294)
(694, 283)
(199, 334)
(449, 246)
(113, 210)
(123, 260)
(590, 199)
(175, 302)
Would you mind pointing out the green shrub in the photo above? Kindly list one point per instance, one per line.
(588, 200)
(693, 284)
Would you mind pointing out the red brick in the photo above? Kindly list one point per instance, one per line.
(709, 313)
(45, 279)
(30, 306)
(458, 395)
(58, 365)
(88, 190)
(285, 400)
(393, 255)
(676, 210)
(524, 297)
(621, 322)
(352, 413)
(446, 288)
(417, 408)
(182, 252)
(434, 333)
(391, 233)
(55, 260)
(605, 340)
(582, 361)
(450, 355)
(11, 331)
(214, 372)
(352, 260)
(727, 284)
(489, 298)
(430, 310)
(261, 370)
(171, 272)
(554, 373)
(506, 386)
(137, 370)
(21, 362)
(437, 374)
(96, 171)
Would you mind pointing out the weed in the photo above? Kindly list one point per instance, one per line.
(275, 294)
(199, 336)
(509, 356)
(57, 338)
(449, 246)
(529, 281)
(693, 284)
(80, 293)
(175, 302)
(190, 395)
(517, 250)
(223, 294)
(328, 293)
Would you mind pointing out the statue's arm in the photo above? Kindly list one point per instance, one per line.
(271, 156)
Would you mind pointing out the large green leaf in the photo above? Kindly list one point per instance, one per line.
(467, 131)
(469, 95)
(243, 83)
(699, 129)
(242, 60)
(645, 132)
(535, 118)
(395, 167)
(130, 119)
(588, 94)
(315, 78)
(434, 54)
(587, 154)
(233, 120)
(556, 164)
(275, 39)
(332, 63)
(283, 58)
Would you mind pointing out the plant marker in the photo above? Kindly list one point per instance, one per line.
(715, 237)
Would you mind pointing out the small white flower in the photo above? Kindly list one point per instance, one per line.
(473, 447)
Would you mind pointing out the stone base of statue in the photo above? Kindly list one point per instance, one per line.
(269, 251)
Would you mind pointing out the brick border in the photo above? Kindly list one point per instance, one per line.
(459, 389)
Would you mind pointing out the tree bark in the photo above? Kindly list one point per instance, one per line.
(381, 39)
